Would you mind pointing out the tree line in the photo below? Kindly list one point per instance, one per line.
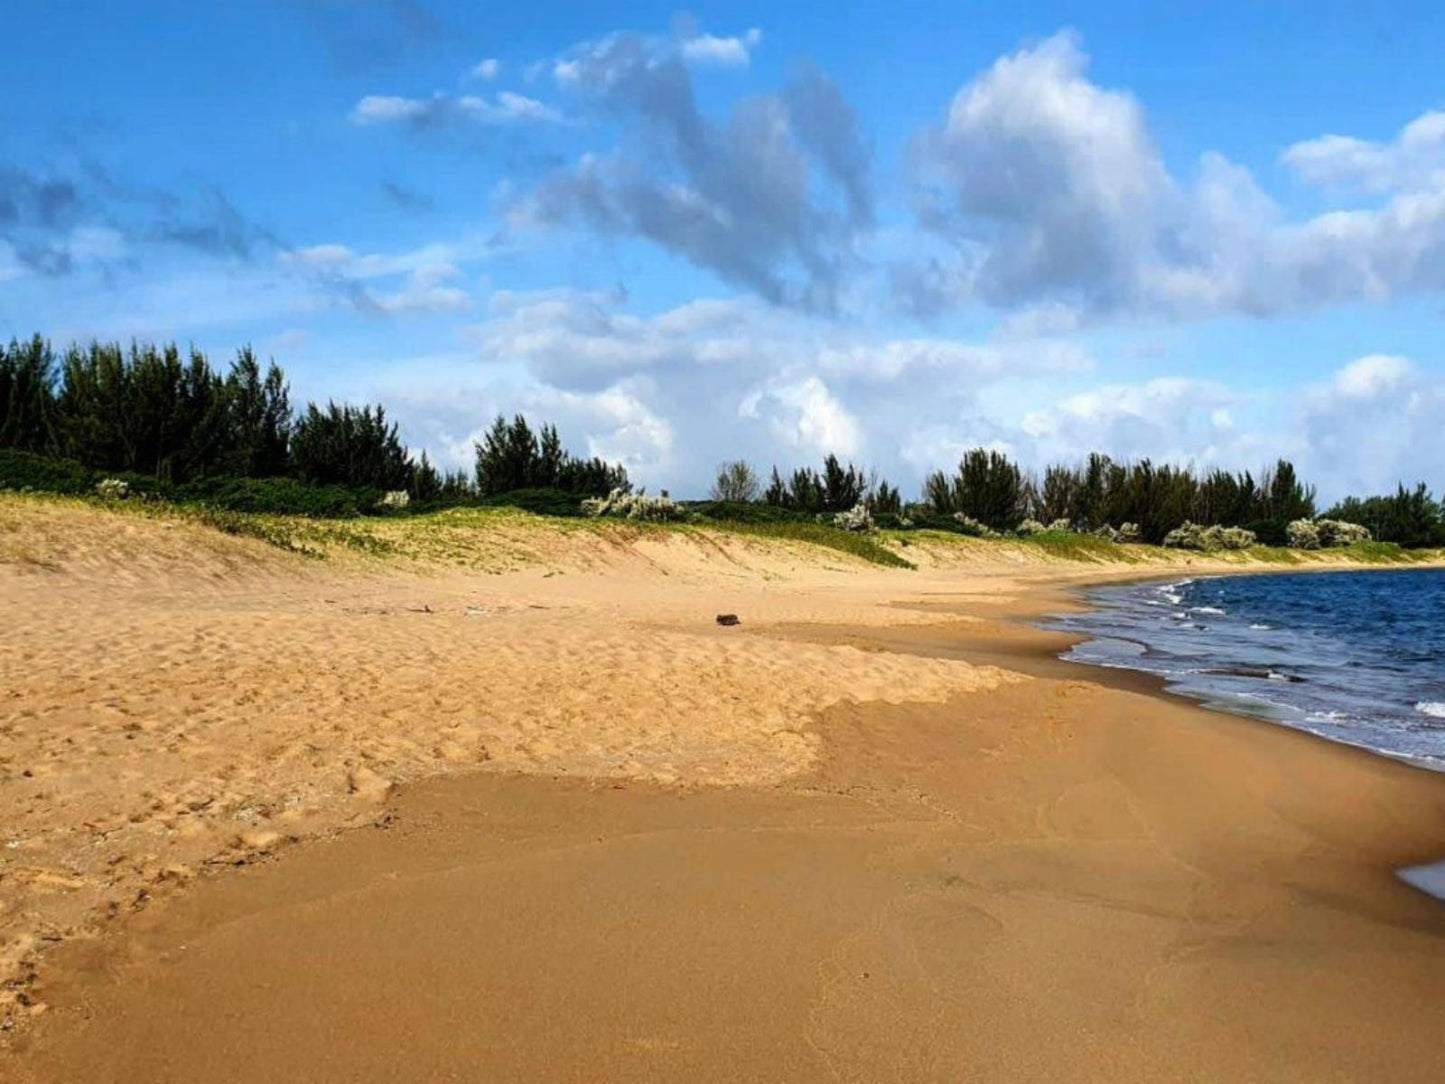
(155, 411)
(989, 489)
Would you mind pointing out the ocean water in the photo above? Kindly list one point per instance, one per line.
(1358, 657)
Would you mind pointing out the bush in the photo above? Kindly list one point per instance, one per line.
(1304, 535)
(626, 505)
(857, 518)
(1107, 533)
(1031, 527)
(394, 499)
(731, 512)
(1191, 536)
(540, 502)
(279, 496)
(1129, 532)
(1334, 532)
(972, 527)
(112, 489)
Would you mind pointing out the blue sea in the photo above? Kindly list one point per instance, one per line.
(1357, 657)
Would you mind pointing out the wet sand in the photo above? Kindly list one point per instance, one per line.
(1058, 875)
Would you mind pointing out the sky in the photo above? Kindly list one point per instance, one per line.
(1202, 233)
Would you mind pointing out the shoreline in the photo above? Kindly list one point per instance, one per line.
(1161, 684)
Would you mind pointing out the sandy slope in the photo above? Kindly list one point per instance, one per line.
(170, 696)
(927, 865)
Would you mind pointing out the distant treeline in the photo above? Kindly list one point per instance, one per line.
(991, 490)
(152, 412)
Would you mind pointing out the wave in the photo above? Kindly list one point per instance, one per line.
(1215, 610)
(1433, 708)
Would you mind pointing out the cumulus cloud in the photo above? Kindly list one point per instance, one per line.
(440, 110)
(805, 415)
(740, 377)
(487, 70)
(1374, 424)
(1415, 159)
(1047, 191)
(770, 199)
(1168, 419)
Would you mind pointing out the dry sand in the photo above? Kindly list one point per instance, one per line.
(875, 833)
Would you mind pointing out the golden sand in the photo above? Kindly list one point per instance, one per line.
(872, 833)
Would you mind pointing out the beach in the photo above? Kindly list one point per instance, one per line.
(517, 807)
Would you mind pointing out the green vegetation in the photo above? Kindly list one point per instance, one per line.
(1078, 547)
(857, 545)
(152, 423)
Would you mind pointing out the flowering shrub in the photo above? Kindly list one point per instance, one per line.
(972, 527)
(1108, 533)
(1313, 534)
(1128, 532)
(1191, 536)
(626, 505)
(396, 498)
(1031, 526)
(112, 489)
(857, 518)
(1061, 525)
(1303, 534)
(1336, 532)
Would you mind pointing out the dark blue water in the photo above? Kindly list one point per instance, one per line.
(1358, 657)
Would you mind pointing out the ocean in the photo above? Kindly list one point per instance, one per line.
(1357, 657)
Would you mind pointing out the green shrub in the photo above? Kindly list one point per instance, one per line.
(733, 512)
(279, 496)
(540, 502)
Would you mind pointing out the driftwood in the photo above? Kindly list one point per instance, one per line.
(727, 619)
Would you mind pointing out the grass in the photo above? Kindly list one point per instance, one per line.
(862, 546)
(1078, 547)
(498, 537)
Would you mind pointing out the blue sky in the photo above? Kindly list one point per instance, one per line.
(1210, 233)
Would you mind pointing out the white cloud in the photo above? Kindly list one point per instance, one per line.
(1415, 159)
(1373, 425)
(429, 289)
(487, 70)
(1373, 376)
(328, 255)
(805, 415)
(506, 107)
(1168, 419)
(730, 52)
(1051, 198)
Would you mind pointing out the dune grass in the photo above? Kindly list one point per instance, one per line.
(1079, 547)
(865, 547)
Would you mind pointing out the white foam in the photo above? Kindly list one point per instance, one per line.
(1429, 878)
(1262, 628)
(1433, 708)
(1207, 610)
